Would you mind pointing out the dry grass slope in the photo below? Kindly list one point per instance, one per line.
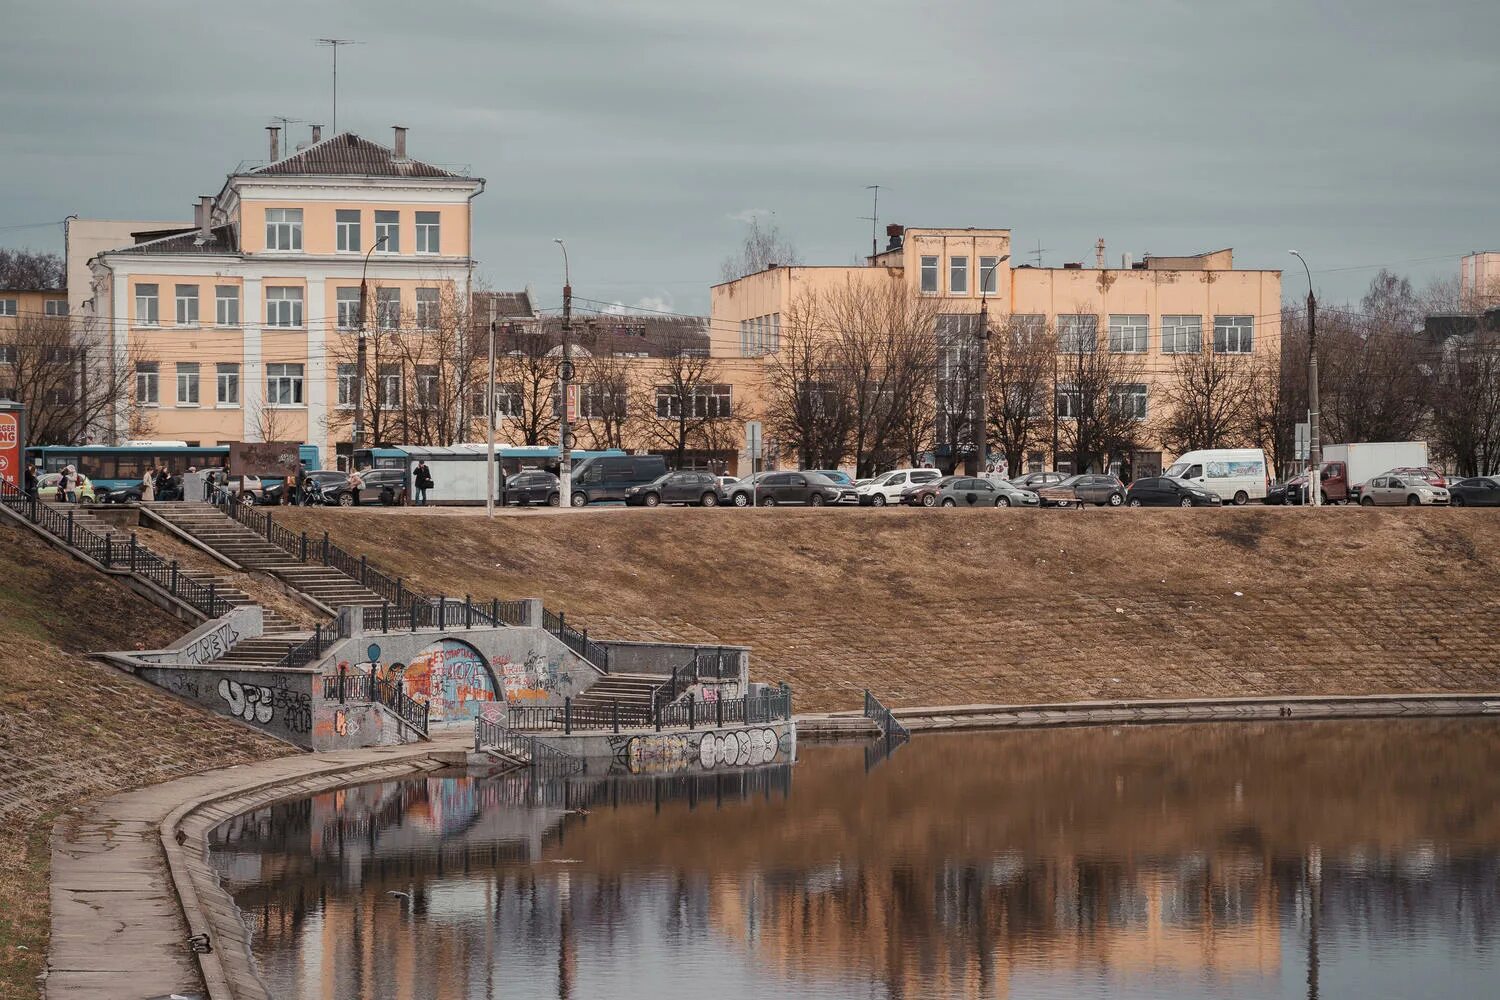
(947, 607)
(73, 730)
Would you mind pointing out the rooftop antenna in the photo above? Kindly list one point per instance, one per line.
(874, 219)
(335, 44)
(1037, 253)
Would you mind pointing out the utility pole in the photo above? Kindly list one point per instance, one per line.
(565, 375)
(489, 492)
(1314, 438)
(359, 369)
(335, 44)
(982, 432)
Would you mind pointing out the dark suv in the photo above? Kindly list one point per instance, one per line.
(698, 488)
(610, 477)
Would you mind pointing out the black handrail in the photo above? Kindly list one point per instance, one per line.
(890, 726)
(748, 710)
(490, 734)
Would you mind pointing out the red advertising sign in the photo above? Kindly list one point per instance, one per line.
(10, 447)
(572, 402)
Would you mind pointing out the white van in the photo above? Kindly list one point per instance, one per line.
(887, 488)
(1237, 475)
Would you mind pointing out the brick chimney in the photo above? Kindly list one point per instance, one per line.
(317, 133)
(399, 146)
(273, 132)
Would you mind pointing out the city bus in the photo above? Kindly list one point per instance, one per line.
(116, 467)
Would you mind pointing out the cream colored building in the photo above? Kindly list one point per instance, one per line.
(1155, 308)
(246, 317)
(1479, 279)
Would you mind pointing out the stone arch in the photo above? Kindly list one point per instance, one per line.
(453, 679)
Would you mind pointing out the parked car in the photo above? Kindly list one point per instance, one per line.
(887, 488)
(1427, 472)
(532, 486)
(969, 491)
(697, 488)
(924, 494)
(383, 486)
(1391, 489)
(842, 479)
(1163, 491)
(1292, 492)
(608, 477)
(1088, 487)
(769, 489)
(46, 488)
(1481, 491)
(725, 482)
(1036, 480)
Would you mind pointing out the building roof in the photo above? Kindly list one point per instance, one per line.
(508, 305)
(221, 241)
(348, 155)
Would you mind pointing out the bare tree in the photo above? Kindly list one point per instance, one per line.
(1099, 395)
(763, 246)
(606, 384)
(1207, 400)
(803, 390)
(1022, 363)
(526, 374)
(31, 269)
(1466, 401)
(687, 404)
(72, 385)
(957, 395)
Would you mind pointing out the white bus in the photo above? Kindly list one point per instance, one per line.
(1237, 475)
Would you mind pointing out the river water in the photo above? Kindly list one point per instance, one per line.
(1333, 859)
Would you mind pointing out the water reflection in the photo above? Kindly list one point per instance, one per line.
(1264, 860)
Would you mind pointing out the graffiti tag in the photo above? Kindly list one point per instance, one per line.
(258, 704)
(207, 648)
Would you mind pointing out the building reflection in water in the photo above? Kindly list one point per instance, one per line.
(1258, 860)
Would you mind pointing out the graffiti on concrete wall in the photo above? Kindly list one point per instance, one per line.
(657, 753)
(259, 704)
(739, 748)
(212, 645)
(535, 678)
(451, 678)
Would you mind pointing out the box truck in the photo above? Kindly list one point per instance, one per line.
(1349, 466)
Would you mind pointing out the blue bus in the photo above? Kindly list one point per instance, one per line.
(116, 467)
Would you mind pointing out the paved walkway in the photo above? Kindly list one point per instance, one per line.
(118, 930)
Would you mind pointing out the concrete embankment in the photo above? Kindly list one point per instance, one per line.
(999, 607)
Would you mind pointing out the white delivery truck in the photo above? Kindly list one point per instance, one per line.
(1237, 475)
(1349, 466)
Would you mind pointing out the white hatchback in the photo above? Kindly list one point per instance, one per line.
(887, 489)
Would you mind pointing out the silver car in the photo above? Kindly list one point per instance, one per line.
(965, 492)
(1393, 490)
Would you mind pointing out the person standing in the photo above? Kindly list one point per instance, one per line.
(423, 481)
(30, 480)
(148, 486)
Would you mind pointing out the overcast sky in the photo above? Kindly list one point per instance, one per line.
(1360, 133)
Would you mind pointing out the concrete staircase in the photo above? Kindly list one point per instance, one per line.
(631, 691)
(210, 527)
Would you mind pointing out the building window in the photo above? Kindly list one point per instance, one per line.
(187, 305)
(429, 308)
(56, 307)
(347, 223)
(600, 401)
(1181, 334)
(1025, 328)
(226, 305)
(1128, 334)
(429, 232)
(1128, 400)
(348, 385)
(1234, 334)
(284, 384)
(283, 306)
(348, 308)
(930, 274)
(388, 308)
(989, 275)
(390, 387)
(8, 307)
(147, 306)
(705, 401)
(8, 357)
(229, 383)
(1069, 402)
(283, 229)
(148, 383)
(187, 383)
(427, 386)
(1077, 333)
(388, 227)
(510, 401)
(958, 276)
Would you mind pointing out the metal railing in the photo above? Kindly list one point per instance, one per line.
(410, 609)
(890, 726)
(747, 710)
(361, 687)
(113, 552)
(490, 734)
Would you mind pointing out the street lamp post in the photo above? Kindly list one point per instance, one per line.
(565, 375)
(1314, 437)
(982, 432)
(359, 371)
